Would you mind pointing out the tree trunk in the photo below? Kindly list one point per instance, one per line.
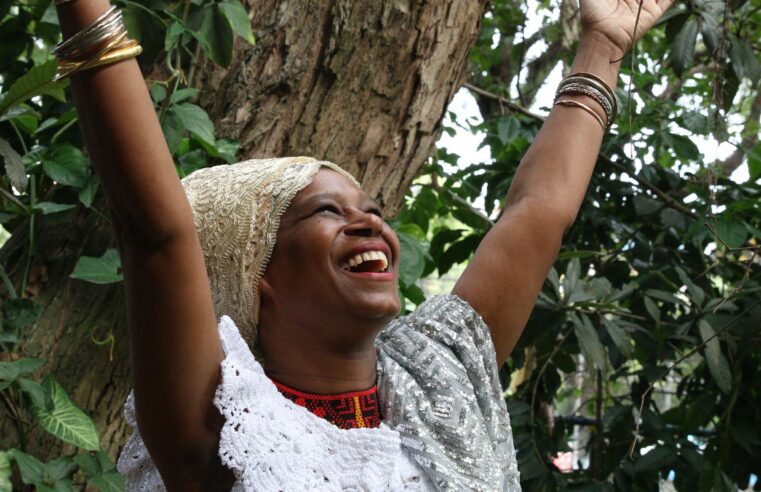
(365, 84)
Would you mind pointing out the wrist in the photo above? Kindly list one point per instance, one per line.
(598, 56)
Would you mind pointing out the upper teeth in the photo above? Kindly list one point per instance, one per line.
(369, 256)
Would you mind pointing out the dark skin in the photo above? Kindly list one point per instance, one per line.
(317, 324)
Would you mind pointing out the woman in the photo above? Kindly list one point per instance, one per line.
(315, 307)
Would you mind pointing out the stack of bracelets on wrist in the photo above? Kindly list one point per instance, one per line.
(592, 86)
(102, 42)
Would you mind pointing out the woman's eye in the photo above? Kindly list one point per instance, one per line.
(328, 208)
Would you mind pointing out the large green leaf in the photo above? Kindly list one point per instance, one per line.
(717, 363)
(187, 117)
(65, 420)
(238, 18)
(103, 270)
(5, 471)
(100, 471)
(14, 168)
(684, 46)
(210, 27)
(589, 341)
(412, 259)
(67, 165)
(37, 81)
(30, 467)
(732, 232)
(744, 61)
(9, 371)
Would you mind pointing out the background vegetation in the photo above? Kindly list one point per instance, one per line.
(642, 356)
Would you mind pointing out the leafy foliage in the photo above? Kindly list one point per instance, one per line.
(640, 362)
(47, 177)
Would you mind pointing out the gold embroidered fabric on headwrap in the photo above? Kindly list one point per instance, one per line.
(237, 210)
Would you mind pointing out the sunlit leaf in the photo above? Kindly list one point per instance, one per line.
(14, 168)
(64, 419)
(37, 81)
(238, 17)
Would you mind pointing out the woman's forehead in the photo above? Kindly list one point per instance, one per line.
(327, 182)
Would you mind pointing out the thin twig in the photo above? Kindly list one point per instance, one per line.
(679, 361)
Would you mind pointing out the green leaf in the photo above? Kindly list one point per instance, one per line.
(754, 162)
(238, 18)
(589, 341)
(35, 392)
(5, 471)
(213, 31)
(657, 458)
(508, 128)
(684, 46)
(103, 270)
(14, 168)
(567, 255)
(32, 470)
(9, 371)
(65, 420)
(20, 313)
(652, 309)
(645, 206)
(67, 165)
(187, 117)
(619, 337)
(36, 82)
(717, 363)
(731, 232)
(87, 193)
(412, 259)
(52, 208)
(744, 61)
(111, 481)
(182, 94)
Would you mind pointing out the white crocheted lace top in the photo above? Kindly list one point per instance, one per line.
(272, 444)
(445, 425)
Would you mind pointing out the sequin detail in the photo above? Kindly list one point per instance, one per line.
(352, 410)
(439, 387)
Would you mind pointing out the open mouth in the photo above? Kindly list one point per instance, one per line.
(367, 262)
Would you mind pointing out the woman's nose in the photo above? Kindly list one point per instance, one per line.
(364, 224)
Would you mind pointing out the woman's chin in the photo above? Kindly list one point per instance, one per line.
(376, 305)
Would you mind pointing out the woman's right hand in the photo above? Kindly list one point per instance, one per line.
(613, 21)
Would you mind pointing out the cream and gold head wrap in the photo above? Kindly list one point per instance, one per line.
(237, 210)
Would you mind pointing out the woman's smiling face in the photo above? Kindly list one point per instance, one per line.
(334, 256)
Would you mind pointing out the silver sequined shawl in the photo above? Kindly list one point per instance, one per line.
(438, 382)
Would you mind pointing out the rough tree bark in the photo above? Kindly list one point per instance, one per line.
(364, 84)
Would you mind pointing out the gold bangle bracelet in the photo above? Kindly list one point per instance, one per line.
(577, 104)
(129, 50)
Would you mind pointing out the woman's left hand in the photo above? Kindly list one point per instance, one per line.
(613, 21)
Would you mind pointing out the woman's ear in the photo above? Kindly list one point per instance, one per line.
(265, 290)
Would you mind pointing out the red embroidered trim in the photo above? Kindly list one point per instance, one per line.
(351, 410)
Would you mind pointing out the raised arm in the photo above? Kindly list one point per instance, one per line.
(173, 337)
(508, 269)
